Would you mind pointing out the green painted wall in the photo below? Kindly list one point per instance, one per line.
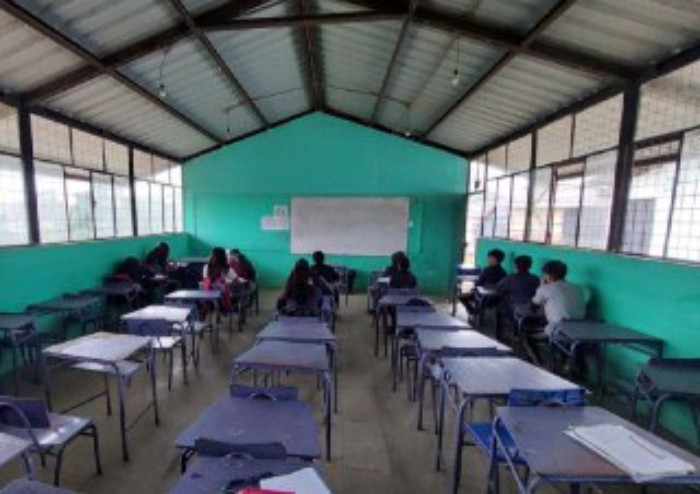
(656, 297)
(229, 190)
(32, 274)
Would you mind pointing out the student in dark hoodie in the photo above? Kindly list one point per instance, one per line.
(490, 276)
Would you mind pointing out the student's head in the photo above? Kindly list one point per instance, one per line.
(495, 257)
(163, 249)
(218, 257)
(404, 264)
(302, 271)
(523, 264)
(554, 271)
(318, 257)
(233, 255)
(396, 258)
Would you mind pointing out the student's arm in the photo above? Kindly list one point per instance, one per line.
(205, 272)
(540, 297)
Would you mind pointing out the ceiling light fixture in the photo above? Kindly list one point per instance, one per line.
(162, 91)
(455, 74)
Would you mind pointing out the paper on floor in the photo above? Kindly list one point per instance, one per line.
(304, 481)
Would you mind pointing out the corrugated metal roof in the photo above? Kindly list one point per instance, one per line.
(639, 32)
(525, 90)
(105, 103)
(103, 26)
(27, 59)
(517, 15)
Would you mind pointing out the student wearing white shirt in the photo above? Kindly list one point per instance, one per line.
(560, 299)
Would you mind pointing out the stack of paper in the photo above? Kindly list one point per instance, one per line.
(304, 481)
(642, 460)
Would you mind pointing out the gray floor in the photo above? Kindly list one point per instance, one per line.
(376, 445)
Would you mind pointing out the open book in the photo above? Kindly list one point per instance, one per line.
(304, 481)
(639, 458)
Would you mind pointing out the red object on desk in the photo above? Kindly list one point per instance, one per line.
(255, 490)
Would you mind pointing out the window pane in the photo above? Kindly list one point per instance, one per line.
(598, 127)
(554, 141)
(540, 205)
(520, 154)
(176, 174)
(178, 210)
(122, 200)
(472, 230)
(567, 203)
(88, 150)
(143, 207)
(104, 205)
(496, 159)
(9, 130)
(518, 211)
(143, 165)
(477, 174)
(670, 103)
(684, 242)
(597, 200)
(51, 140)
(502, 208)
(168, 209)
(51, 202)
(80, 223)
(156, 208)
(117, 158)
(648, 208)
(13, 202)
(161, 170)
(490, 208)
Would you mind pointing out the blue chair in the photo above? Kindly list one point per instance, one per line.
(280, 393)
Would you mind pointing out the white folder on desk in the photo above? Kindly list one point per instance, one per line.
(304, 481)
(631, 453)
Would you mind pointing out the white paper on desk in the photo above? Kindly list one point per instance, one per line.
(304, 481)
(631, 453)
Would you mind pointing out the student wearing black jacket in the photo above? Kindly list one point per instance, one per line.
(403, 278)
(491, 275)
(324, 275)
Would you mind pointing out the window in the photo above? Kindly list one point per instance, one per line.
(520, 154)
(477, 175)
(122, 205)
(161, 170)
(684, 239)
(88, 150)
(598, 184)
(168, 209)
(79, 204)
(518, 208)
(117, 158)
(472, 230)
(9, 129)
(104, 205)
(176, 174)
(566, 203)
(598, 127)
(489, 217)
(156, 208)
(502, 207)
(13, 202)
(554, 141)
(540, 204)
(143, 165)
(51, 140)
(143, 207)
(497, 163)
(51, 202)
(179, 224)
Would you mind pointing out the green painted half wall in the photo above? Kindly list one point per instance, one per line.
(229, 190)
(656, 297)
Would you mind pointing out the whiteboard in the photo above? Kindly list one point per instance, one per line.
(369, 226)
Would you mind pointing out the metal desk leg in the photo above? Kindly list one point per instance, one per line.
(121, 391)
(441, 424)
(421, 388)
(376, 331)
(459, 443)
(154, 392)
(329, 413)
(45, 379)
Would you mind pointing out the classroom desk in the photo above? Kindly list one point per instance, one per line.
(411, 320)
(18, 330)
(11, 448)
(80, 307)
(385, 304)
(555, 458)
(178, 317)
(280, 356)
(254, 421)
(106, 353)
(475, 378)
(569, 336)
(430, 343)
(460, 280)
(213, 474)
(119, 289)
(26, 486)
(194, 297)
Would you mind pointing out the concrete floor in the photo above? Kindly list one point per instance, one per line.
(376, 447)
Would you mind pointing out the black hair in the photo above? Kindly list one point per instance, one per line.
(404, 263)
(523, 263)
(555, 269)
(318, 257)
(497, 254)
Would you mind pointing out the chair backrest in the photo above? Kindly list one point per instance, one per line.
(24, 412)
(456, 352)
(149, 327)
(262, 451)
(419, 302)
(559, 397)
(281, 393)
(676, 363)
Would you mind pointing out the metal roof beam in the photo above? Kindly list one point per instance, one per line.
(37, 24)
(302, 20)
(219, 61)
(313, 58)
(140, 49)
(394, 58)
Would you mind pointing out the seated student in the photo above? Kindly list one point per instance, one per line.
(300, 296)
(519, 287)
(403, 278)
(241, 265)
(560, 299)
(217, 275)
(393, 268)
(157, 259)
(324, 275)
(490, 276)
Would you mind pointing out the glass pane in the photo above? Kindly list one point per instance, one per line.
(51, 140)
(502, 208)
(567, 204)
(598, 188)
(490, 208)
(156, 208)
(477, 174)
(122, 201)
(176, 174)
(540, 205)
(143, 207)
(51, 202)
(684, 242)
(648, 208)
(88, 150)
(178, 210)
(518, 211)
(143, 165)
(9, 129)
(598, 127)
(104, 205)
(472, 230)
(520, 154)
(13, 202)
(80, 222)
(670, 103)
(168, 209)
(117, 158)
(554, 141)
(496, 159)
(161, 170)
